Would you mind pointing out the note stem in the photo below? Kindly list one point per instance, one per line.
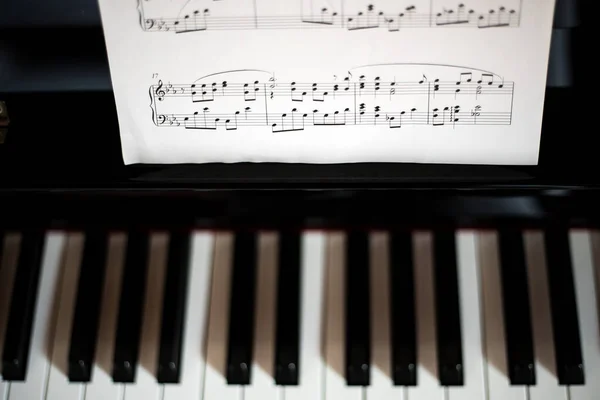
(428, 100)
(355, 109)
(266, 107)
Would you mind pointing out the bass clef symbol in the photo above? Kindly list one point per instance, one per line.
(160, 91)
(150, 24)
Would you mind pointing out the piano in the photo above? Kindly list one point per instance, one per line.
(285, 282)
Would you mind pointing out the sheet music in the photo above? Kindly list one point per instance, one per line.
(329, 81)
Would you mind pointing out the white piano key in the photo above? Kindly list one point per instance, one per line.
(102, 386)
(587, 312)
(42, 337)
(215, 378)
(546, 387)
(59, 387)
(469, 285)
(262, 385)
(146, 387)
(335, 336)
(196, 320)
(382, 386)
(312, 365)
(8, 267)
(428, 385)
(499, 387)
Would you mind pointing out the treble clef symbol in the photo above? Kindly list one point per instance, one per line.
(160, 91)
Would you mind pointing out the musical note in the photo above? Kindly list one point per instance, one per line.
(349, 101)
(437, 119)
(392, 89)
(232, 126)
(326, 16)
(450, 17)
(250, 92)
(476, 112)
(496, 19)
(377, 85)
(377, 115)
(193, 23)
(288, 122)
(394, 23)
(486, 78)
(317, 94)
(204, 94)
(362, 111)
(393, 123)
(296, 95)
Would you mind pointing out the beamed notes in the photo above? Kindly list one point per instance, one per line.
(241, 99)
(340, 14)
(329, 81)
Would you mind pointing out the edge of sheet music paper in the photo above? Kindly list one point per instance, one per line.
(329, 81)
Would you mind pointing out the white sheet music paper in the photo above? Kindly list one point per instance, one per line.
(329, 81)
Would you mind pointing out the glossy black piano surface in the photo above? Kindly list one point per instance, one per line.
(62, 150)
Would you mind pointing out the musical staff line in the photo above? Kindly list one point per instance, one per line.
(371, 18)
(473, 98)
(449, 115)
(320, 91)
(386, 22)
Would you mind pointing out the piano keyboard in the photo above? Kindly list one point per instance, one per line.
(423, 315)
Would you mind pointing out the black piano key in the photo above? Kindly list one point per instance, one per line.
(287, 337)
(563, 305)
(517, 311)
(173, 311)
(22, 308)
(84, 331)
(403, 319)
(241, 313)
(131, 302)
(358, 332)
(447, 310)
